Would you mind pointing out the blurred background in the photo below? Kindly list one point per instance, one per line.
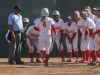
(31, 9)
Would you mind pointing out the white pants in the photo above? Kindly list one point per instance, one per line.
(97, 43)
(74, 44)
(45, 43)
(56, 39)
(31, 48)
(85, 44)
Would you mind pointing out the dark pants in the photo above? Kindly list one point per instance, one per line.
(15, 48)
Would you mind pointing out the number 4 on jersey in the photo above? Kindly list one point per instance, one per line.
(44, 24)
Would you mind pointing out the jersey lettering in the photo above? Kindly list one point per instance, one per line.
(44, 24)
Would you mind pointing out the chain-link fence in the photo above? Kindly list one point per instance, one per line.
(31, 9)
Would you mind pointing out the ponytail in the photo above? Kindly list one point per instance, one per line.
(43, 18)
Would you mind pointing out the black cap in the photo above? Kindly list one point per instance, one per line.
(17, 7)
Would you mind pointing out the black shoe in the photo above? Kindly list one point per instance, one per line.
(20, 63)
(12, 63)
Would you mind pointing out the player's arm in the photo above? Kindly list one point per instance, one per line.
(75, 32)
(54, 28)
(10, 20)
(61, 31)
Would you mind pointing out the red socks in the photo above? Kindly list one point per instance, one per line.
(87, 55)
(94, 56)
(84, 55)
(70, 55)
(40, 55)
(31, 55)
(46, 58)
(62, 54)
(76, 54)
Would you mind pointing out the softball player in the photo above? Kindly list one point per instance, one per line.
(32, 39)
(89, 27)
(96, 35)
(59, 23)
(81, 32)
(44, 25)
(70, 30)
(94, 19)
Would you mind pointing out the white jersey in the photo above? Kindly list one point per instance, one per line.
(70, 29)
(31, 31)
(98, 24)
(59, 26)
(92, 17)
(89, 24)
(45, 27)
(80, 25)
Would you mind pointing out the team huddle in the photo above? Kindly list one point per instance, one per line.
(46, 31)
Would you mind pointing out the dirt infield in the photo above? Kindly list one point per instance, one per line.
(55, 68)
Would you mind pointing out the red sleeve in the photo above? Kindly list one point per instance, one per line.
(67, 36)
(73, 36)
(54, 28)
(86, 32)
(79, 33)
(96, 32)
(61, 32)
(91, 32)
(37, 29)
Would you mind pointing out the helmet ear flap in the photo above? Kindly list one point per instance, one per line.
(44, 12)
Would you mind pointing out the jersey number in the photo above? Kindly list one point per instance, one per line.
(44, 24)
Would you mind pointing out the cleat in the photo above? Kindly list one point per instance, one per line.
(63, 60)
(82, 61)
(31, 61)
(38, 60)
(77, 60)
(90, 63)
(69, 61)
(45, 65)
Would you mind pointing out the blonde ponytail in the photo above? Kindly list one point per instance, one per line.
(43, 19)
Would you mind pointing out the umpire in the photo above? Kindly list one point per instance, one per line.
(15, 26)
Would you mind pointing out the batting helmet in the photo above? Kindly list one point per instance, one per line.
(25, 20)
(44, 12)
(56, 13)
(35, 20)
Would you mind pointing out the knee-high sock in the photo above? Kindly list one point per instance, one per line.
(94, 56)
(62, 54)
(31, 55)
(87, 55)
(46, 58)
(76, 54)
(84, 55)
(70, 55)
(40, 55)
